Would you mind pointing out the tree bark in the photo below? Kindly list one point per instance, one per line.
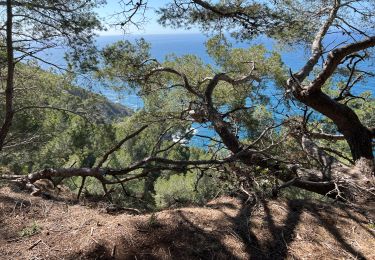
(9, 112)
(356, 134)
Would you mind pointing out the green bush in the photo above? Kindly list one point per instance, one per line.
(31, 230)
(180, 190)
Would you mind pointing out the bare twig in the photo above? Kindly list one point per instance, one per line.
(34, 244)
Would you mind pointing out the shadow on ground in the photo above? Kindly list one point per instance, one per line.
(225, 228)
(232, 230)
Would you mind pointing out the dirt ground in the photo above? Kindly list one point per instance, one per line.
(226, 228)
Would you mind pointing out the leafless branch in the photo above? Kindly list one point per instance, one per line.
(325, 136)
(316, 47)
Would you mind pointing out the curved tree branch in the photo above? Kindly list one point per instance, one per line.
(334, 59)
(180, 74)
(225, 77)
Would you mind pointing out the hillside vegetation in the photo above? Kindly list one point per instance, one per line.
(239, 154)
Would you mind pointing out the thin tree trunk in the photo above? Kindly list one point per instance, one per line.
(10, 77)
(81, 187)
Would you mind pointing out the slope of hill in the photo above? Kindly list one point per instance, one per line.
(104, 109)
(48, 89)
(226, 228)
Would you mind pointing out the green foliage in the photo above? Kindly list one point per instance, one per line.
(65, 125)
(244, 19)
(49, 24)
(31, 230)
(124, 60)
(182, 190)
(371, 226)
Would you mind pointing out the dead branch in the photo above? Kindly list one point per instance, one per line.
(316, 47)
(34, 244)
(325, 136)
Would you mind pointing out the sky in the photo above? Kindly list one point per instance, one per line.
(150, 27)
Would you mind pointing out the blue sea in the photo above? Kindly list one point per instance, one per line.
(181, 44)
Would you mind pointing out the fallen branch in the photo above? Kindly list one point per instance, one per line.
(34, 245)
